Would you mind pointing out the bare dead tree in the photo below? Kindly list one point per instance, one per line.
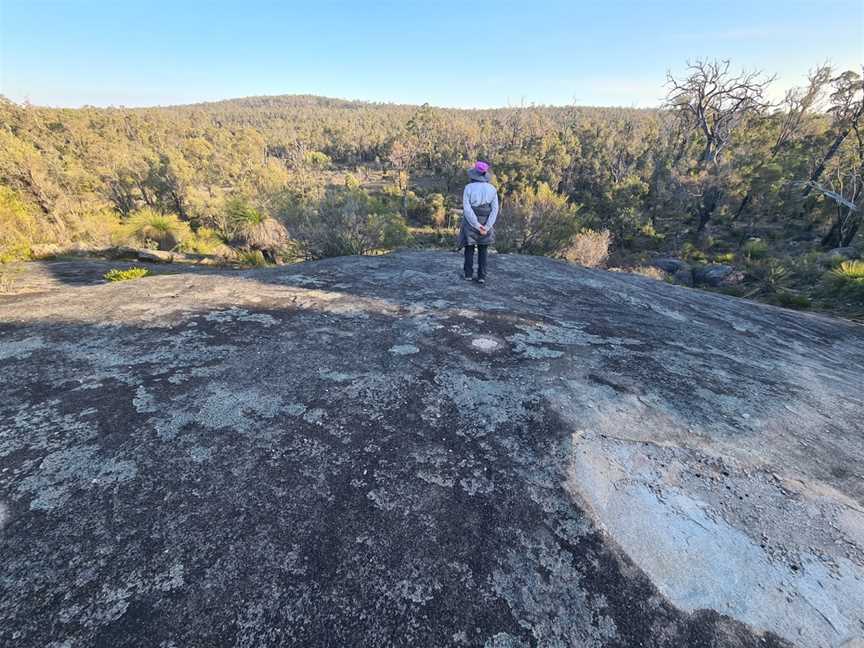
(715, 101)
(847, 108)
(846, 187)
(845, 191)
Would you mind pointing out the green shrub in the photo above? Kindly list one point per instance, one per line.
(648, 230)
(852, 271)
(438, 208)
(538, 222)
(421, 211)
(254, 258)
(725, 257)
(692, 253)
(19, 228)
(153, 229)
(351, 181)
(116, 274)
(203, 241)
(755, 249)
(245, 227)
(317, 159)
(241, 213)
(394, 230)
(792, 300)
(98, 227)
(345, 222)
(776, 275)
(846, 281)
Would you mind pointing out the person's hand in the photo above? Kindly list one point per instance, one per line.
(483, 230)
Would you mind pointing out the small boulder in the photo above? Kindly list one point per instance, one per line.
(156, 256)
(716, 274)
(123, 252)
(670, 265)
(848, 252)
(681, 271)
(684, 276)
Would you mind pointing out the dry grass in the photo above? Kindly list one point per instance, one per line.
(264, 234)
(649, 271)
(589, 248)
(7, 277)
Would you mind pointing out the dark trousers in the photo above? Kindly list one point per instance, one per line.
(481, 260)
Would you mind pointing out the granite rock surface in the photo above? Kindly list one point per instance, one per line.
(369, 451)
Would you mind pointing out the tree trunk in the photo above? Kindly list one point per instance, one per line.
(817, 172)
(710, 200)
(744, 202)
(839, 235)
(832, 238)
(849, 235)
(144, 195)
(178, 204)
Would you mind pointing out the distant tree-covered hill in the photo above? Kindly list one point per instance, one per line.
(703, 177)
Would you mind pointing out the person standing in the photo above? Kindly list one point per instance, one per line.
(479, 213)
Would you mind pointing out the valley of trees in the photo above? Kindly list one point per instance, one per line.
(719, 174)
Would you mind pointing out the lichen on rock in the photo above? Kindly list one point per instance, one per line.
(369, 451)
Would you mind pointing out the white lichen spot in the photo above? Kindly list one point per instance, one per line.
(241, 315)
(485, 344)
(143, 401)
(404, 349)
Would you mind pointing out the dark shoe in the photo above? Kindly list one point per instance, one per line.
(468, 277)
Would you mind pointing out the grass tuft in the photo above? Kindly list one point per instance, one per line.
(116, 274)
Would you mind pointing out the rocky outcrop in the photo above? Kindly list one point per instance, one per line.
(680, 271)
(716, 275)
(369, 451)
(713, 275)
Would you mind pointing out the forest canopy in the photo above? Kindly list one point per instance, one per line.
(717, 167)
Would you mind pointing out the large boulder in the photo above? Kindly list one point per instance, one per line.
(368, 451)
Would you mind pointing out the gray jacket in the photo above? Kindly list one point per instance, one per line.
(479, 207)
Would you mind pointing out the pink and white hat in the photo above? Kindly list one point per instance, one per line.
(480, 171)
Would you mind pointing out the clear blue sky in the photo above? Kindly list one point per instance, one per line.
(490, 53)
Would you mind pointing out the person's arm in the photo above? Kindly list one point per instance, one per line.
(468, 213)
(493, 215)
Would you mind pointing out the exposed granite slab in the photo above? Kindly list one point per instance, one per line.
(370, 452)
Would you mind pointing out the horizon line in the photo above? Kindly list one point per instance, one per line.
(523, 105)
